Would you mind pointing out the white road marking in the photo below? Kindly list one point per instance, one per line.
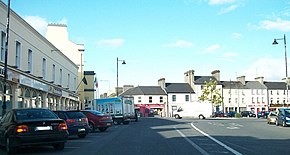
(217, 141)
(202, 151)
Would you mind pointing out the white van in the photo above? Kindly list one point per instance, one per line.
(199, 110)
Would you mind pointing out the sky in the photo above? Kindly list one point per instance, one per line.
(166, 38)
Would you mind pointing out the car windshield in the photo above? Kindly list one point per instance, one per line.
(75, 114)
(26, 114)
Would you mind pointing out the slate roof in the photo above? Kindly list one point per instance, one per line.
(232, 85)
(275, 85)
(144, 90)
(178, 88)
(255, 85)
(201, 79)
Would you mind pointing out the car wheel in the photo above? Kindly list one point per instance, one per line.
(92, 127)
(9, 148)
(59, 146)
(176, 116)
(103, 129)
(277, 123)
(201, 117)
(284, 124)
(82, 135)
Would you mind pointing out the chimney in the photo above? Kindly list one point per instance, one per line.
(161, 83)
(189, 77)
(260, 79)
(242, 79)
(216, 74)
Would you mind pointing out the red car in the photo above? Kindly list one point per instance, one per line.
(98, 120)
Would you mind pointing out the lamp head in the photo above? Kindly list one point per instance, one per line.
(275, 42)
(123, 63)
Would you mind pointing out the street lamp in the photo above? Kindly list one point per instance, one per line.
(123, 63)
(275, 43)
(4, 106)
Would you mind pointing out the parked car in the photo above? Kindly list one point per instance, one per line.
(98, 120)
(230, 114)
(283, 117)
(263, 114)
(248, 114)
(218, 114)
(272, 117)
(28, 127)
(76, 121)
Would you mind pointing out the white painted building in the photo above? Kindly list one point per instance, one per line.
(39, 75)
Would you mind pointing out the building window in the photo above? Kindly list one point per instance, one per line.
(68, 81)
(161, 99)
(17, 56)
(236, 100)
(263, 100)
(43, 68)
(174, 98)
(29, 62)
(271, 92)
(243, 100)
(278, 101)
(277, 92)
(53, 72)
(75, 82)
(150, 99)
(253, 100)
(186, 98)
(60, 76)
(3, 41)
(139, 99)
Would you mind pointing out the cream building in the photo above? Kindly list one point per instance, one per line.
(39, 74)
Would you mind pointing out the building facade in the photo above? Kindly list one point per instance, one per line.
(39, 75)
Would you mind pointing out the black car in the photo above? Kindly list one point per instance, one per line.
(28, 127)
(77, 122)
(263, 114)
(248, 114)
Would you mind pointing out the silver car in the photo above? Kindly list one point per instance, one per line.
(272, 117)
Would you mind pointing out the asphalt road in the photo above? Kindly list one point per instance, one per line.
(169, 136)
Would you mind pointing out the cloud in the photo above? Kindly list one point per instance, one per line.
(212, 49)
(111, 42)
(219, 2)
(180, 43)
(229, 54)
(236, 35)
(228, 9)
(38, 23)
(268, 67)
(279, 24)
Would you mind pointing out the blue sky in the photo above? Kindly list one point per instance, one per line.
(165, 38)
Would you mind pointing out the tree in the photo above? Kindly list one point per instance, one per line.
(211, 93)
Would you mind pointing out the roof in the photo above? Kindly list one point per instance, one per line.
(203, 79)
(144, 90)
(275, 85)
(255, 85)
(178, 88)
(232, 85)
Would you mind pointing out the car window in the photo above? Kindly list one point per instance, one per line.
(8, 117)
(25, 114)
(96, 112)
(73, 114)
(287, 112)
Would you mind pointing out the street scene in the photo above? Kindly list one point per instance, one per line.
(144, 77)
(157, 135)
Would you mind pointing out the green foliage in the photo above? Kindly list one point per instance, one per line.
(237, 115)
(211, 93)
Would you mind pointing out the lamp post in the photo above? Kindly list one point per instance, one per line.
(275, 43)
(123, 63)
(4, 106)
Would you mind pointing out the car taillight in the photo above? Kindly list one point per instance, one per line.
(70, 121)
(85, 120)
(21, 128)
(62, 126)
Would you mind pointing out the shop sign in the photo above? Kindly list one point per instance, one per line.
(54, 90)
(26, 81)
(40, 86)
